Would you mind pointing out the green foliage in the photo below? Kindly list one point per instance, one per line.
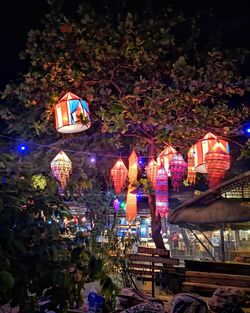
(39, 181)
(143, 76)
(32, 250)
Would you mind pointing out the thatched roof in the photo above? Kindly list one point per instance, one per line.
(214, 206)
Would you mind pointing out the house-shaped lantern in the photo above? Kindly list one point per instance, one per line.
(202, 147)
(71, 114)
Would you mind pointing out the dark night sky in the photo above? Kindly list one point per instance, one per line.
(19, 16)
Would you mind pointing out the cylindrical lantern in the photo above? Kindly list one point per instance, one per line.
(116, 204)
(177, 169)
(151, 171)
(191, 174)
(70, 111)
(131, 205)
(203, 146)
(61, 167)
(218, 161)
(161, 193)
(119, 175)
(165, 157)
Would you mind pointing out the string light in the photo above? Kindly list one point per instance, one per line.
(22, 148)
(50, 147)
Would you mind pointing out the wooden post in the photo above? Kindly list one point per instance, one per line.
(153, 280)
(222, 245)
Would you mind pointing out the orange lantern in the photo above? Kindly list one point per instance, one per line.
(203, 146)
(61, 167)
(151, 171)
(131, 205)
(133, 167)
(70, 111)
(191, 174)
(119, 175)
(165, 157)
(217, 161)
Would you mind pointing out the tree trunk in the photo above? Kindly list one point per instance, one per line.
(155, 222)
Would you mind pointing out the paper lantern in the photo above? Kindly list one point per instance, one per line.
(67, 114)
(218, 161)
(191, 174)
(177, 169)
(161, 193)
(203, 146)
(131, 205)
(119, 175)
(165, 157)
(151, 170)
(133, 167)
(116, 205)
(61, 167)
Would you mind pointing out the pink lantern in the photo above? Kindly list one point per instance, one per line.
(218, 161)
(177, 169)
(68, 114)
(202, 147)
(151, 171)
(116, 204)
(161, 193)
(165, 157)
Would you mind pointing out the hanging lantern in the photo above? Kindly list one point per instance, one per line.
(61, 168)
(191, 174)
(133, 167)
(203, 146)
(70, 111)
(161, 193)
(119, 175)
(177, 169)
(131, 205)
(166, 156)
(217, 161)
(151, 171)
(116, 204)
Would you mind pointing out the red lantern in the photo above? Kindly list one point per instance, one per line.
(161, 193)
(191, 174)
(203, 146)
(165, 157)
(61, 168)
(131, 205)
(119, 175)
(69, 113)
(177, 169)
(217, 161)
(151, 171)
